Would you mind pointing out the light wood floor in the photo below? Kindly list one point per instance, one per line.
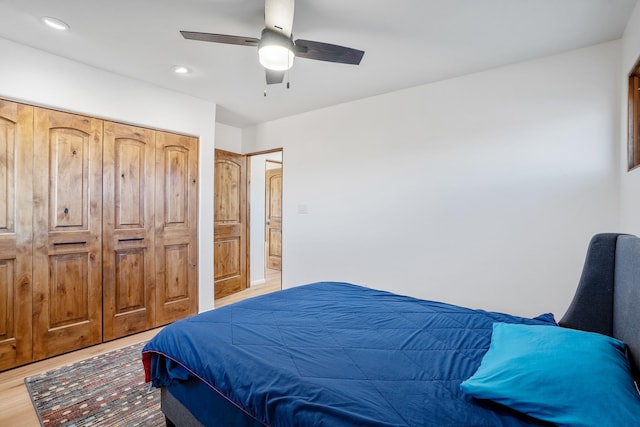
(16, 409)
(272, 284)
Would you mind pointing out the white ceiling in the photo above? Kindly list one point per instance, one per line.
(407, 43)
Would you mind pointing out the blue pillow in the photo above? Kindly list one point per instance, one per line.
(563, 376)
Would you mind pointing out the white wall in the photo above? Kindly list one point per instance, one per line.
(35, 77)
(228, 138)
(629, 181)
(482, 190)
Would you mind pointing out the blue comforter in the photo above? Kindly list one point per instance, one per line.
(337, 354)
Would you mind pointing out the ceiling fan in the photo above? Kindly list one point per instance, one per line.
(276, 48)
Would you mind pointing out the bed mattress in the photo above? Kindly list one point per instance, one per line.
(333, 354)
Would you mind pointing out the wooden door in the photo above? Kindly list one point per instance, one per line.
(128, 265)
(67, 211)
(176, 220)
(16, 152)
(273, 227)
(230, 224)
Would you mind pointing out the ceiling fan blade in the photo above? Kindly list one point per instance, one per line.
(220, 38)
(328, 52)
(274, 77)
(278, 15)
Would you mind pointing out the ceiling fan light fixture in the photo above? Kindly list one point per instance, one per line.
(275, 51)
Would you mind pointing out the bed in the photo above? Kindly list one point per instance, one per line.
(338, 354)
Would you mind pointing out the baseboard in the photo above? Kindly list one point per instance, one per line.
(258, 282)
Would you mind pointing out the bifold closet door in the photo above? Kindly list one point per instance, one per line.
(67, 232)
(16, 151)
(128, 279)
(176, 227)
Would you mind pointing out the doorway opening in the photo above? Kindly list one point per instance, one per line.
(265, 201)
(247, 225)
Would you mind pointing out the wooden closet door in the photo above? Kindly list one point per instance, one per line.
(128, 279)
(16, 152)
(67, 210)
(176, 227)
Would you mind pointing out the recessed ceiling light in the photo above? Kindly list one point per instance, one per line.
(180, 69)
(55, 23)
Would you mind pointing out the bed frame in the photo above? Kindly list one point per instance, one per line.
(606, 301)
(608, 294)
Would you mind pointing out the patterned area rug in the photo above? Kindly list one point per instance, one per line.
(104, 390)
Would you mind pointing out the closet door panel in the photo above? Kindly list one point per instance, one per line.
(67, 209)
(128, 230)
(16, 151)
(69, 183)
(69, 295)
(176, 226)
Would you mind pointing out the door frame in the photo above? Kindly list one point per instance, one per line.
(248, 254)
(247, 208)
